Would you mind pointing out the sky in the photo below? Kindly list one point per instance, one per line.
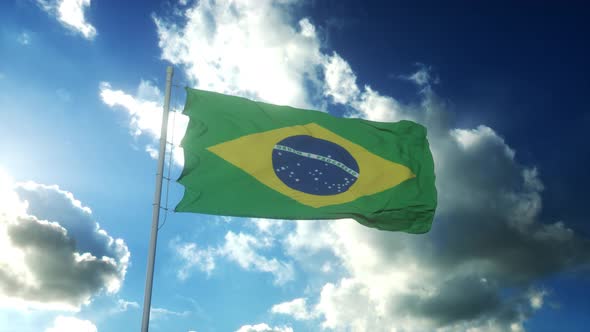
(501, 87)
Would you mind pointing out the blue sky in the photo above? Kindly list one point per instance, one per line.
(501, 87)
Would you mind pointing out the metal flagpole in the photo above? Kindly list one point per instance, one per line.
(149, 278)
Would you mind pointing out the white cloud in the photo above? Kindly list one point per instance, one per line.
(399, 298)
(191, 257)
(70, 13)
(269, 226)
(340, 84)
(296, 308)
(223, 219)
(244, 48)
(71, 324)
(145, 115)
(123, 305)
(536, 299)
(53, 255)
(241, 248)
(373, 106)
(349, 305)
(474, 138)
(340, 80)
(145, 110)
(422, 77)
(263, 327)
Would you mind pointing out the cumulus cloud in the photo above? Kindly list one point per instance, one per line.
(340, 80)
(263, 327)
(244, 48)
(71, 324)
(53, 254)
(70, 13)
(144, 111)
(145, 108)
(487, 238)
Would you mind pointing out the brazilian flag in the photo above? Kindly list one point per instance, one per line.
(252, 159)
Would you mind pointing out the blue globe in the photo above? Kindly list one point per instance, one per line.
(314, 166)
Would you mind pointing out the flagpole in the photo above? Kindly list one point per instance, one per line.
(149, 279)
